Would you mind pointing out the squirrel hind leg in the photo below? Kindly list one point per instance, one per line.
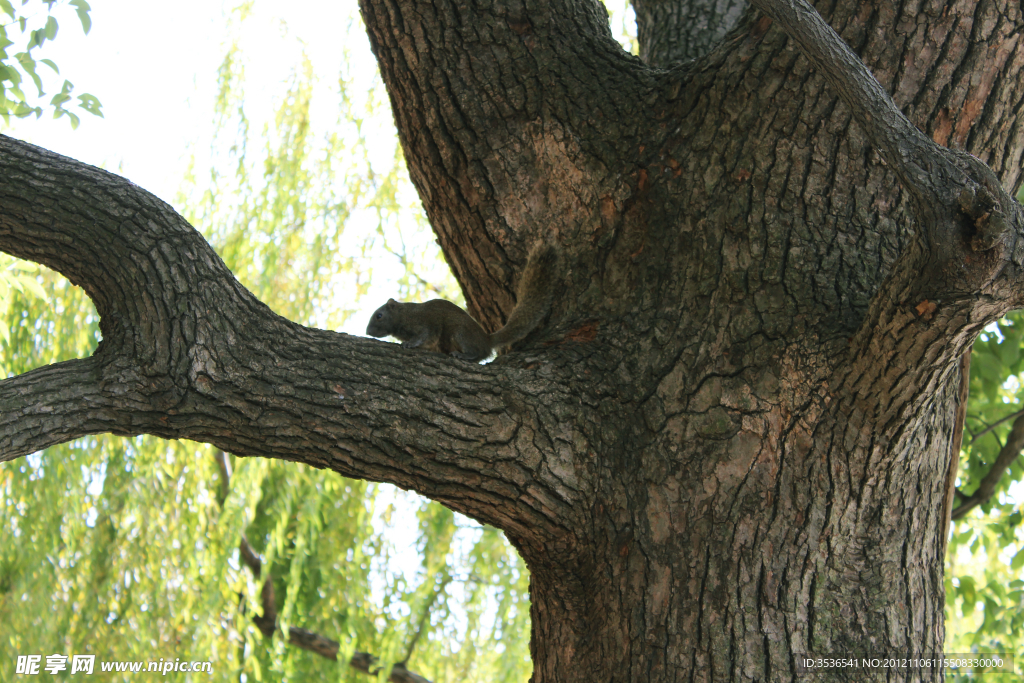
(470, 343)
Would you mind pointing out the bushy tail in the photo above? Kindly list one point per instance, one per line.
(536, 291)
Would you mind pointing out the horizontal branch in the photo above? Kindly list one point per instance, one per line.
(188, 353)
(324, 646)
(54, 404)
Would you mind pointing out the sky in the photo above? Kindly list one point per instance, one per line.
(153, 66)
(154, 72)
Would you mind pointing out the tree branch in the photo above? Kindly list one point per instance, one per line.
(989, 428)
(898, 140)
(57, 403)
(1007, 454)
(188, 352)
(952, 190)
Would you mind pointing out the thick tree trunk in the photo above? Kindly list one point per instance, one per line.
(730, 444)
(768, 400)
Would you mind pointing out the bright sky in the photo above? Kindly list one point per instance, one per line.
(153, 70)
(153, 66)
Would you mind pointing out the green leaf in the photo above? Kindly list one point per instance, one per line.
(82, 8)
(22, 111)
(50, 63)
(37, 39)
(1018, 561)
(29, 66)
(90, 104)
(63, 96)
(15, 86)
(51, 28)
(7, 8)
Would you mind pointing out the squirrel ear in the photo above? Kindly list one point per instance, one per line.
(392, 302)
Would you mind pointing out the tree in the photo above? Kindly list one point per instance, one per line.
(735, 440)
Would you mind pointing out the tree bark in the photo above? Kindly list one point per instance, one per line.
(670, 31)
(729, 445)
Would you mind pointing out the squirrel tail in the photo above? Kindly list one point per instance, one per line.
(536, 292)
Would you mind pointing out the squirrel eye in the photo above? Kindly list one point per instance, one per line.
(379, 316)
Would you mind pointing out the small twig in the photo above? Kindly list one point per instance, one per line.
(995, 424)
(1010, 450)
(423, 618)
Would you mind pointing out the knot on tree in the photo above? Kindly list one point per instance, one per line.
(988, 221)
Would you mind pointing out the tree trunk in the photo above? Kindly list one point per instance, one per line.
(729, 445)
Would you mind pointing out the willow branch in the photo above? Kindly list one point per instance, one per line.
(300, 637)
(424, 617)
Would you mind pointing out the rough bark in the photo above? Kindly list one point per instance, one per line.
(730, 444)
(670, 31)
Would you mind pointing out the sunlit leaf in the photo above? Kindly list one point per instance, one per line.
(51, 28)
(82, 9)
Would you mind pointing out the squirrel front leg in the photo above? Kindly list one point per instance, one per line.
(422, 336)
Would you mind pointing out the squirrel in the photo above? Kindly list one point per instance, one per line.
(441, 326)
